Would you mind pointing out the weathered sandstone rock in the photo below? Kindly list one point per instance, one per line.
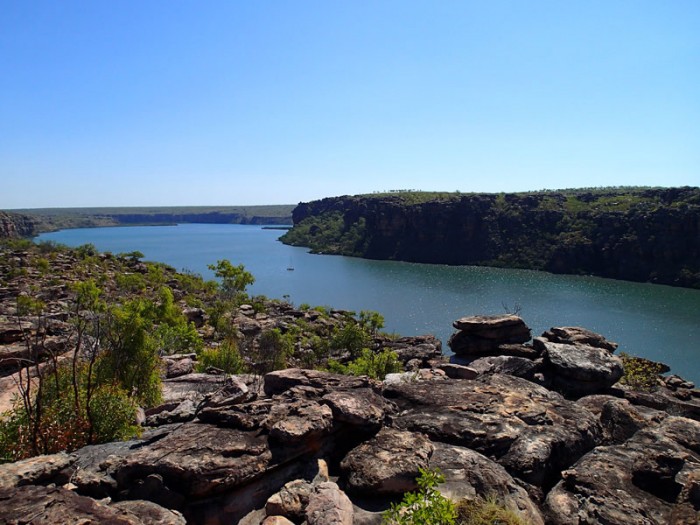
(532, 432)
(388, 463)
(579, 370)
(649, 479)
(36, 470)
(577, 335)
(481, 335)
(47, 506)
(328, 505)
(469, 474)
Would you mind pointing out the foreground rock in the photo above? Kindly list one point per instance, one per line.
(48, 506)
(654, 478)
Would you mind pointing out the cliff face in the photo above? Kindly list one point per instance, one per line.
(639, 235)
(15, 226)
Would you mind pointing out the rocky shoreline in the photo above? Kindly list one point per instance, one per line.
(545, 427)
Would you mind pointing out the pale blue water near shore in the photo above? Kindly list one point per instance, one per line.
(658, 322)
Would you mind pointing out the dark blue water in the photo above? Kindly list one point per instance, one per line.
(658, 322)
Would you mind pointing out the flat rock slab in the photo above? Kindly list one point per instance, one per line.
(533, 432)
(48, 506)
(280, 381)
(480, 324)
(388, 463)
(578, 335)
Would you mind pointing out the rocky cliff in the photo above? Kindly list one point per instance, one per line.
(15, 226)
(633, 234)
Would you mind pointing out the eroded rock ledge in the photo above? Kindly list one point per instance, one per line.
(545, 427)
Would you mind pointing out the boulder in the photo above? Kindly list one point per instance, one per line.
(577, 370)
(179, 388)
(481, 335)
(328, 505)
(176, 366)
(456, 371)
(533, 432)
(291, 501)
(422, 348)
(470, 475)
(360, 407)
(577, 335)
(388, 463)
(149, 512)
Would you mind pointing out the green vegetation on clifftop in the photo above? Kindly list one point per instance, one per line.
(637, 234)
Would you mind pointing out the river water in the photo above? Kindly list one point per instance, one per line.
(653, 321)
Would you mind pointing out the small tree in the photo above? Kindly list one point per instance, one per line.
(234, 279)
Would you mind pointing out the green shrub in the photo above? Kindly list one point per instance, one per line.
(426, 506)
(226, 357)
(640, 374)
(352, 338)
(376, 365)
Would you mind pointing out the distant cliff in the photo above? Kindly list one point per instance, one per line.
(632, 234)
(50, 219)
(15, 226)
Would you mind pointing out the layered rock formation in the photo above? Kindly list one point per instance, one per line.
(639, 235)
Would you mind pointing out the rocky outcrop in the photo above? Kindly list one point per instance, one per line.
(546, 433)
(635, 234)
(483, 335)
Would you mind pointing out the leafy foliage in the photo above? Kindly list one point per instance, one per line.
(234, 279)
(226, 357)
(376, 365)
(426, 506)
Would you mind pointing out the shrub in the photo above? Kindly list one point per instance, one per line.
(641, 374)
(226, 357)
(351, 337)
(369, 363)
(426, 506)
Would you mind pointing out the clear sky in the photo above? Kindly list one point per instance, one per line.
(119, 103)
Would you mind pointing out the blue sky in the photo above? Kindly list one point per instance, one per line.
(226, 102)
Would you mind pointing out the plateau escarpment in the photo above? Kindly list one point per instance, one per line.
(50, 219)
(632, 234)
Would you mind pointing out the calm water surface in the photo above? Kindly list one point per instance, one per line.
(658, 322)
